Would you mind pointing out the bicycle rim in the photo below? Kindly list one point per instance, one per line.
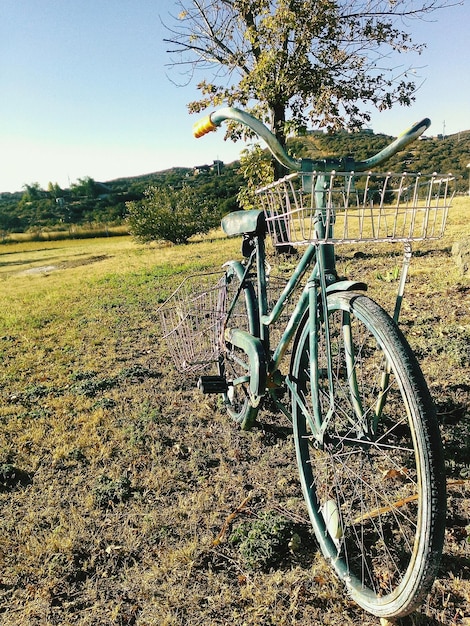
(375, 486)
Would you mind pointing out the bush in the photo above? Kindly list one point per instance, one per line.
(171, 215)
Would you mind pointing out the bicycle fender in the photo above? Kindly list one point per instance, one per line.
(346, 285)
(236, 267)
(254, 349)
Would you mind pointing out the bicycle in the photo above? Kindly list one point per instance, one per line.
(366, 434)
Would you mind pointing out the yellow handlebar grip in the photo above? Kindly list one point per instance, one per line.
(204, 126)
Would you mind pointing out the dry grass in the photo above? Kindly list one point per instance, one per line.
(116, 476)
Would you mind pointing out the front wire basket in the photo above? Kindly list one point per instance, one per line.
(192, 321)
(363, 207)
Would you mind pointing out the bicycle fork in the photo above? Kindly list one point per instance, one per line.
(324, 373)
(318, 322)
(364, 419)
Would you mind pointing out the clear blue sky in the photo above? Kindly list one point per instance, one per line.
(85, 91)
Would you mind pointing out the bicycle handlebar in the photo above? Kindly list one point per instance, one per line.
(400, 142)
(215, 119)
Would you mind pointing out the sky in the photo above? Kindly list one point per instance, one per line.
(86, 91)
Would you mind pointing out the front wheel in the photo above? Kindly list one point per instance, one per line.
(369, 454)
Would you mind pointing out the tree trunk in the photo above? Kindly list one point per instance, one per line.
(278, 112)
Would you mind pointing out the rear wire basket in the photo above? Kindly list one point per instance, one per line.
(363, 207)
(192, 321)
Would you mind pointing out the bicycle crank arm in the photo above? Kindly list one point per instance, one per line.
(255, 352)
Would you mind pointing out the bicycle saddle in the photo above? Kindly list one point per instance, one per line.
(251, 222)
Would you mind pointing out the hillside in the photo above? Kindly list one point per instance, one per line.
(429, 154)
(89, 201)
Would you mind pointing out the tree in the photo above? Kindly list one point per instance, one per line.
(256, 169)
(84, 187)
(171, 215)
(32, 192)
(296, 62)
(54, 190)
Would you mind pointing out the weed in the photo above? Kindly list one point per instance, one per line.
(389, 276)
(11, 477)
(77, 455)
(140, 429)
(32, 393)
(138, 372)
(105, 403)
(108, 491)
(264, 541)
(89, 383)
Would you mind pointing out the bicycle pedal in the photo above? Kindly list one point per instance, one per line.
(212, 384)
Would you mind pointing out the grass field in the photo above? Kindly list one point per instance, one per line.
(121, 486)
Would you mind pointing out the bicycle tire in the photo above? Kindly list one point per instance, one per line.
(233, 362)
(377, 502)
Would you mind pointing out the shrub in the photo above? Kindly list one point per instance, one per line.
(171, 215)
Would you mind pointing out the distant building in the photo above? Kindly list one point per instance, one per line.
(201, 169)
(206, 169)
(217, 166)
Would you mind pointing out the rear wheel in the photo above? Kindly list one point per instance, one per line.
(233, 363)
(374, 480)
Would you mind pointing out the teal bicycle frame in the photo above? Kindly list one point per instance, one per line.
(264, 366)
(321, 281)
